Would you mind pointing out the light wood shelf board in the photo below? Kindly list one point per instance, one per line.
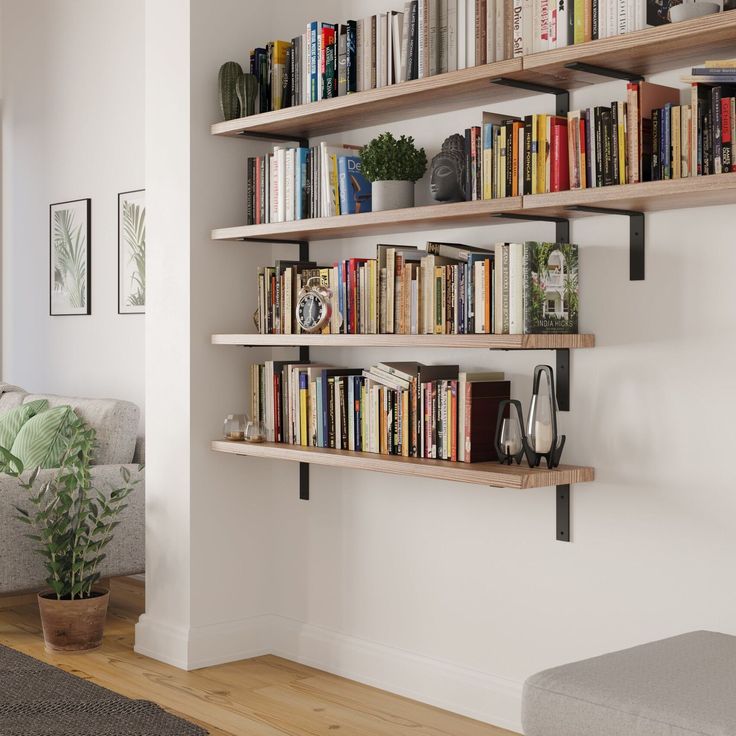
(517, 477)
(486, 342)
(653, 196)
(642, 52)
(459, 214)
(451, 91)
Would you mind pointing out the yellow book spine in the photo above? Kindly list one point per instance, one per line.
(334, 186)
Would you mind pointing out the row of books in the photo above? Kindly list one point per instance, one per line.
(447, 288)
(428, 37)
(295, 183)
(405, 409)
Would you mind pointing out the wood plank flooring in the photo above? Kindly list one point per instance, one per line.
(264, 696)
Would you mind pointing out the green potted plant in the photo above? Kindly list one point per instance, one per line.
(392, 166)
(72, 524)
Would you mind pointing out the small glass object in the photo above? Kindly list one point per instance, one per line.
(511, 436)
(255, 431)
(234, 427)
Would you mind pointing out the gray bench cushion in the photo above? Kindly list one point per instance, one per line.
(681, 686)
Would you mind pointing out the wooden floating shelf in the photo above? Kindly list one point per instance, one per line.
(443, 92)
(653, 196)
(485, 342)
(518, 477)
(643, 52)
(460, 214)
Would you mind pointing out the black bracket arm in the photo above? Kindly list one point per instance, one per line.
(562, 224)
(637, 241)
(562, 494)
(562, 96)
(274, 137)
(603, 71)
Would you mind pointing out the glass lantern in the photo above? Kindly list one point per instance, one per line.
(541, 429)
(234, 427)
(255, 431)
(510, 441)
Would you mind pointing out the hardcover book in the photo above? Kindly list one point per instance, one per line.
(551, 288)
(354, 188)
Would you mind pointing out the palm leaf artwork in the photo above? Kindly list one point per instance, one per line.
(134, 235)
(70, 262)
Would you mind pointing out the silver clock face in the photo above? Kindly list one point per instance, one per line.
(312, 312)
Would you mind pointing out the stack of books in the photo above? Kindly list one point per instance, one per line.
(405, 409)
(428, 37)
(295, 183)
(712, 115)
(447, 289)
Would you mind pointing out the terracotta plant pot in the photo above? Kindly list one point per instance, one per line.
(73, 626)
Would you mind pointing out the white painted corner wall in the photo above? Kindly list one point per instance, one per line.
(446, 593)
(72, 91)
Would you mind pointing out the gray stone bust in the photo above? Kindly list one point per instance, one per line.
(447, 173)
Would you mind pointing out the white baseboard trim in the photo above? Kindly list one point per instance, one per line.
(485, 697)
(475, 694)
(162, 641)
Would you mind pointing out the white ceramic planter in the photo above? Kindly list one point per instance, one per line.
(392, 195)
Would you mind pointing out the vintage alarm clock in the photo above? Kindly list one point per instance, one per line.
(313, 306)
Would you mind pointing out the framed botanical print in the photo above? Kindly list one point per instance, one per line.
(70, 249)
(132, 252)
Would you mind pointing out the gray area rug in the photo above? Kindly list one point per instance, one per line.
(37, 699)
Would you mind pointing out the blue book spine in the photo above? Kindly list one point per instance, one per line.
(343, 186)
(354, 188)
(313, 61)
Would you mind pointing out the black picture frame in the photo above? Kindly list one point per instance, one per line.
(122, 309)
(86, 308)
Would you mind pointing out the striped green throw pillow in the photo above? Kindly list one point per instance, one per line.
(12, 421)
(43, 439)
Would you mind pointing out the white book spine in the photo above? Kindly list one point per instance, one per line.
(602, 19)
(470, 33)
(527, 23)
(389, 48)
(452, 29)
(319, 61)
(281, 207)
(518, 30)
(289, 185)
(516, 289)
(398, 42)
(492, 32)
(274, 187)
(442, 37)
(622, 23)
(462, 34)
(562, 7)
(434, 36)
(404, 73)
(499, 25)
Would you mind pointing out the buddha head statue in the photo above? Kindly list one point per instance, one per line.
(447, 174)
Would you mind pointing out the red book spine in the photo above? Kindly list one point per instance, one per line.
(726, 119)
(468, 417)
(452, 412)
(583, 180)
(559, 168)
(427, 420)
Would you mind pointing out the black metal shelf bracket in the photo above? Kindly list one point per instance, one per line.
(562, 224)
(274, 137)
(562, 96)
(637, 243)
(562, 378)
(603, 71)
(562, 494)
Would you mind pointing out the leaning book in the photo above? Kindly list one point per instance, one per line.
(551, 288)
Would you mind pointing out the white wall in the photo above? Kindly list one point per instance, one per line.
(449, 593)
(72, 127)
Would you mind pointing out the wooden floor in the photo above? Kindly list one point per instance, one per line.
(265, 696)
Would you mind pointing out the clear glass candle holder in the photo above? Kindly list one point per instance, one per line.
(255, 431)
(234, 427)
